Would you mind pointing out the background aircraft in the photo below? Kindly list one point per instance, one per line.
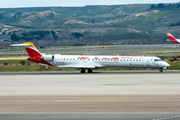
(92, 62)
(173, 39)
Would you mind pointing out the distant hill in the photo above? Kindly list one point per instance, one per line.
(147, 23)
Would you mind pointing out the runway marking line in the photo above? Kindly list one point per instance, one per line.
(169, 117)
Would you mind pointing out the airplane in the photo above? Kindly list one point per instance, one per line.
(89, 63)
(173, 39)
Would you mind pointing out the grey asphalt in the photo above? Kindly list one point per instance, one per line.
(90, 117)
(95, 72)
(156, 95)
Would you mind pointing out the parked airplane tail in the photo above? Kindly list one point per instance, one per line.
(172, 38)
(35, 55)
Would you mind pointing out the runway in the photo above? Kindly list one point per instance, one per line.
(91, 104)
(98, 83)
(126, 95)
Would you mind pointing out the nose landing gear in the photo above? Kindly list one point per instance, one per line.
(161, 70)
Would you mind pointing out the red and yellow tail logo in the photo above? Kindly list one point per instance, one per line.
(172, 38)
(35, 55)
(31, 49)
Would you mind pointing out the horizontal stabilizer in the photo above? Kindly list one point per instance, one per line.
(20, 45)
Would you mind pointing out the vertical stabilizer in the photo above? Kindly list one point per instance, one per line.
(31, 49)
(172, 38)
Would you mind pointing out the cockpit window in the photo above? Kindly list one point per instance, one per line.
(157, 60)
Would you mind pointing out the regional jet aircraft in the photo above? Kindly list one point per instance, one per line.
(173, 39)
(89, 63)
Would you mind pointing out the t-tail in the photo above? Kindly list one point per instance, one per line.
(34, 54)
(172, 38)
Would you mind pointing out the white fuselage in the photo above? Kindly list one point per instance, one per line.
(90, 62)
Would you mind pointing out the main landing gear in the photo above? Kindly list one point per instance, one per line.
(84, 71)
(89, 70)
(161, 70)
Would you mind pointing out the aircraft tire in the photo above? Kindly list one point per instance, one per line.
(83, 71)
(90, 71)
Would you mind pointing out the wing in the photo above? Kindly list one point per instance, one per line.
(78, 66)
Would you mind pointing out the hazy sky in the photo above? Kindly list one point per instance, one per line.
(44, 3)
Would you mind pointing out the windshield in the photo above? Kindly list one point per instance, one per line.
(157, 60)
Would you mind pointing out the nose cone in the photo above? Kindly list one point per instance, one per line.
(165, 64)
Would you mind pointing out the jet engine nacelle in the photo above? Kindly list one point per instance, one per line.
(48, 57)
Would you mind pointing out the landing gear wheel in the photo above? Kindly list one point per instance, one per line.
(161, 70)
(83, 71)
(89, 70)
